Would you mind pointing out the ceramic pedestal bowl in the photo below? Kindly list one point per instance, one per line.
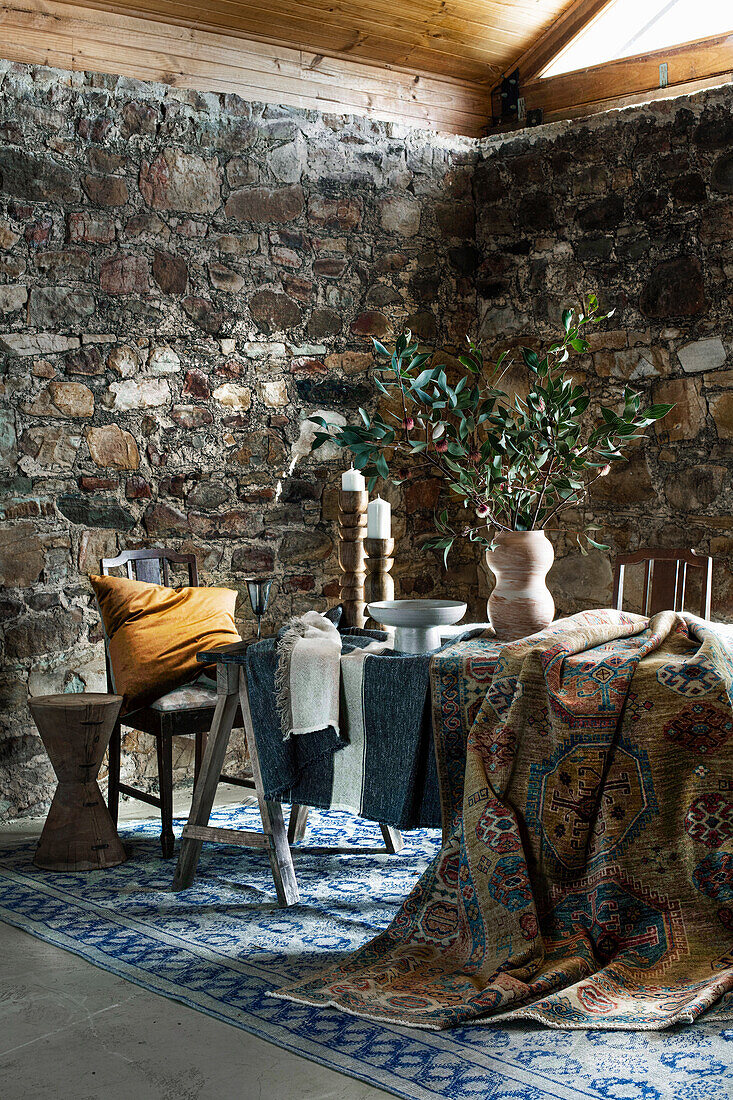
(417, 622)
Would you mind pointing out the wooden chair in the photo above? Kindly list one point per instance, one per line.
(181, 713)
(665, 579)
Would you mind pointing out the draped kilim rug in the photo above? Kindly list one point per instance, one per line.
(220, 946)
(586, 874)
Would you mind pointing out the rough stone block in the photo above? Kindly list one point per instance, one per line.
(702, 355)
(274, 312)
(170, 272)
(305, 547)
(675, 288)
(106, 190)
(176, 180)
(60, 307)
(687, 418)
(113, 446)
(43, 343)
(148, 393)
(125, 274)
(274, 393)
(400, 214)
(191, 416)
(95, 512)
(50, 445)
(330, 213)
(233, 396)
(721, 407)
(265, 205)
(12, 298)
(164, 360)
(37, 178)
(21, 556)
(64, 399)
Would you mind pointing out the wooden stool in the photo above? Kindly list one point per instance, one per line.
(79, 834)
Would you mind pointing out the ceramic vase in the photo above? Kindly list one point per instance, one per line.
(520, 603)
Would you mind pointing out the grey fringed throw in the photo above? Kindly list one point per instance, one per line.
(308, 675)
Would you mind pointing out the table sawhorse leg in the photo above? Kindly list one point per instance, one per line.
(232, 689)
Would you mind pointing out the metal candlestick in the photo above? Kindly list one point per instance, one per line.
(352, 530)
(259, 596)
(379, 584)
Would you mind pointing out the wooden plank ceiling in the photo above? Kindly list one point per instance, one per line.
(472, 40)
(427, 63)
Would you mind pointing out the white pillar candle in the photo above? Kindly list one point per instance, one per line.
(352, 481)
(379, 519)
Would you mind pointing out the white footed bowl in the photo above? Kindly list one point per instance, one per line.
(417, 622)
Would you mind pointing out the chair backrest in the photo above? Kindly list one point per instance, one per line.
(665, 579)
(152, 565)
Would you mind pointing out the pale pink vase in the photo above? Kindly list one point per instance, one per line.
(520, 604)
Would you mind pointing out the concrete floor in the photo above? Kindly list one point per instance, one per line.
(70, 1031)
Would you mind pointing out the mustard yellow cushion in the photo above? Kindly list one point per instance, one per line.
(155, 633)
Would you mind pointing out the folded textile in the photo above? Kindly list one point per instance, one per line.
(382, 766)
(308, 675)
(586, 874)
(287, 765)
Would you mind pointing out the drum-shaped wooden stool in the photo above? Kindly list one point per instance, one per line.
(79, 834)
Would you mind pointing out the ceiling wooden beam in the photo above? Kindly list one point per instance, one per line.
(562, 32)
(566, 94)
(542, 51)
(615, 103)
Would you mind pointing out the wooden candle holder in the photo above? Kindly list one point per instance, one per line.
(379, 584)
(352, 532)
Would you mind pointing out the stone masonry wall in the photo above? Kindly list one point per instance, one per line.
(184, 278)
(638, 206)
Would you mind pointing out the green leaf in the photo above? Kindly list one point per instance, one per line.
(469, 363)
(422, 395)
(382, 467)
(656, 412)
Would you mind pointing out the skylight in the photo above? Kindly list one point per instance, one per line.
(629, 27)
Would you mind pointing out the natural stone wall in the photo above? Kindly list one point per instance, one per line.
(638, 206)
(184, 278)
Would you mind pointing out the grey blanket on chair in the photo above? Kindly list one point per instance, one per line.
(382, 766)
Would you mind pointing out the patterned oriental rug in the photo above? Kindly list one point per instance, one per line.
(586, 873)
(220, 946)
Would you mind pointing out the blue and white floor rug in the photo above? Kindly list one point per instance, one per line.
(222, 945)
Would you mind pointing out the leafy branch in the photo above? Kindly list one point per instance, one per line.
(515, 464)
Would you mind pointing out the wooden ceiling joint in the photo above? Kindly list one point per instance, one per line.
(657, 74)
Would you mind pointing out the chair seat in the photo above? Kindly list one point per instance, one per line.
(187, 697)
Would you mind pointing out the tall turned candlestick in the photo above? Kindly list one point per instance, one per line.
(379, 584)
(352, 531)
